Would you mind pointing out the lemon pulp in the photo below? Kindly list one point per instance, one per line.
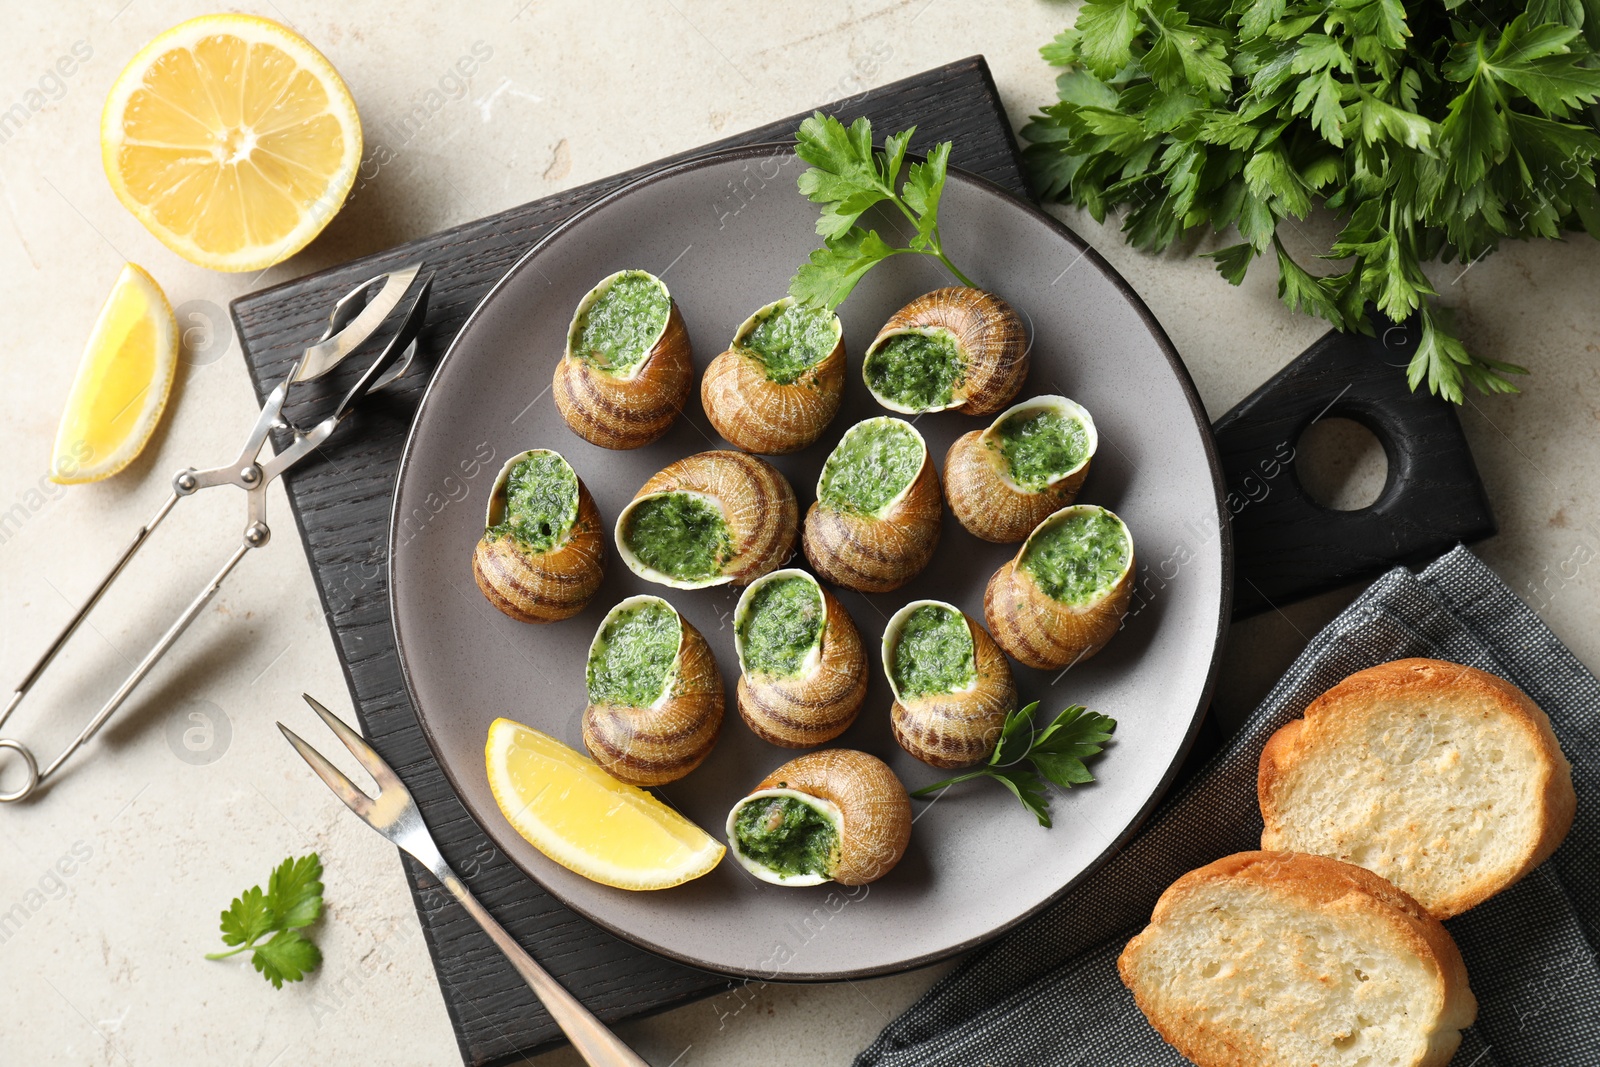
(586, 820)
(232, 139)
(122, 382)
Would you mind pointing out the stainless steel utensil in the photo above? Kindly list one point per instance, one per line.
(356, 317)
(394, 815)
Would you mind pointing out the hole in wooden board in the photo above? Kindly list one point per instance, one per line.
(1341, 464)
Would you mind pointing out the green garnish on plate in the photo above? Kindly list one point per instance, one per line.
(1056, 753)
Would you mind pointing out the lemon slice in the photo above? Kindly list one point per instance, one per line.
(586, 820)
(122, 383)
(232, 139)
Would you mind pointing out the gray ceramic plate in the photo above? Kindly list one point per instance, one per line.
(725, 233)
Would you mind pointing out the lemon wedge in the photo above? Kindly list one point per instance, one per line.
(122, 382)
(232, 139)
(584, 819)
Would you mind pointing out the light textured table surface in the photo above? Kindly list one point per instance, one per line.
(104, 965)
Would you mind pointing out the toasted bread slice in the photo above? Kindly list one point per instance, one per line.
(1280, 959)
(1445, 780)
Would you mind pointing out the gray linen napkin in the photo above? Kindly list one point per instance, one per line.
(1048, 994)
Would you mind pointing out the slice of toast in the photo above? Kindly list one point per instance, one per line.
(1445, 780)
(1280, 959)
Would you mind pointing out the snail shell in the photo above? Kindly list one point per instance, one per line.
(1042, 632)
(634, 407)
(540, 585)
(858, 794)
(884, 548)
(988, 334)
(757, 504)
(760, 414)
(957, 728)
(984, 495)
(663, 740)
(817, 702)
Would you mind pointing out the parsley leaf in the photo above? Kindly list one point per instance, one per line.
(293, 900)
(848, 177)
(286, 958)
(296, 891)
(1057, 754)
(1434, 132)
(247, 918)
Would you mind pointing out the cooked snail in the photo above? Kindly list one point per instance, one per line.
(803, 670)
(542, 554)
(714, 518)
(875, 522)
(1063, 596)
(952, 686)
(1003, 481)
(952, 348)
(655, 698)
(780, 382)
(627, 367)
(832, 816)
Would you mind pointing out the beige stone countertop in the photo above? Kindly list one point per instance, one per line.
(104, 965)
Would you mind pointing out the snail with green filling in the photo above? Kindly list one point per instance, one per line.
(803, 669)
(958, 348)
(780, 382)
(952, 685)
(714, 518)
(1064, 594)
(542, 553)
(875, 522)
(1004, 480)
(627, 367)
(655, 697)
(831, 816)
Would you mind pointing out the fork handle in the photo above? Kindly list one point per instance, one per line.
(595, 1042)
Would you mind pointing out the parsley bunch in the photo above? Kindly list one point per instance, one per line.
(1435, 130)
(1056, 754)
(293, 901)
(847, 176)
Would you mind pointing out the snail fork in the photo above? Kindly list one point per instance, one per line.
(355, 319)
(393, 813)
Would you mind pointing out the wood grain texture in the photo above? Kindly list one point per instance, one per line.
(341, 504)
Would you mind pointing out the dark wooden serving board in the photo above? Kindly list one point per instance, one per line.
(341, 506)
(1288, 546)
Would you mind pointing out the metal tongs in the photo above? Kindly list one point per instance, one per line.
(356, 318)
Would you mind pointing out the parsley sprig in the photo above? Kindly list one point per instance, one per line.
(1435, 131)
(292, 902)
(1057, 754)
(847, 177)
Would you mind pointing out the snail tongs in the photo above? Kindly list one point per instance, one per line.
(360, 315)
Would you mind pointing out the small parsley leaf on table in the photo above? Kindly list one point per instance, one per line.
(1057, 755)
(292, 901)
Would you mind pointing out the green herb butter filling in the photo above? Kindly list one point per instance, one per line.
(1078, 558)
(932, 653)
(1041, 446)
(781, 624)
(873, 464)
(625, 321)
(631, 660)
(680, 535)
(791, 339)
(787, 836)
(918, 371)
(541, 502)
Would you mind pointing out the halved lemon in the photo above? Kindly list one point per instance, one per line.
(586, 820)
(122, 382)
(232, 139)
